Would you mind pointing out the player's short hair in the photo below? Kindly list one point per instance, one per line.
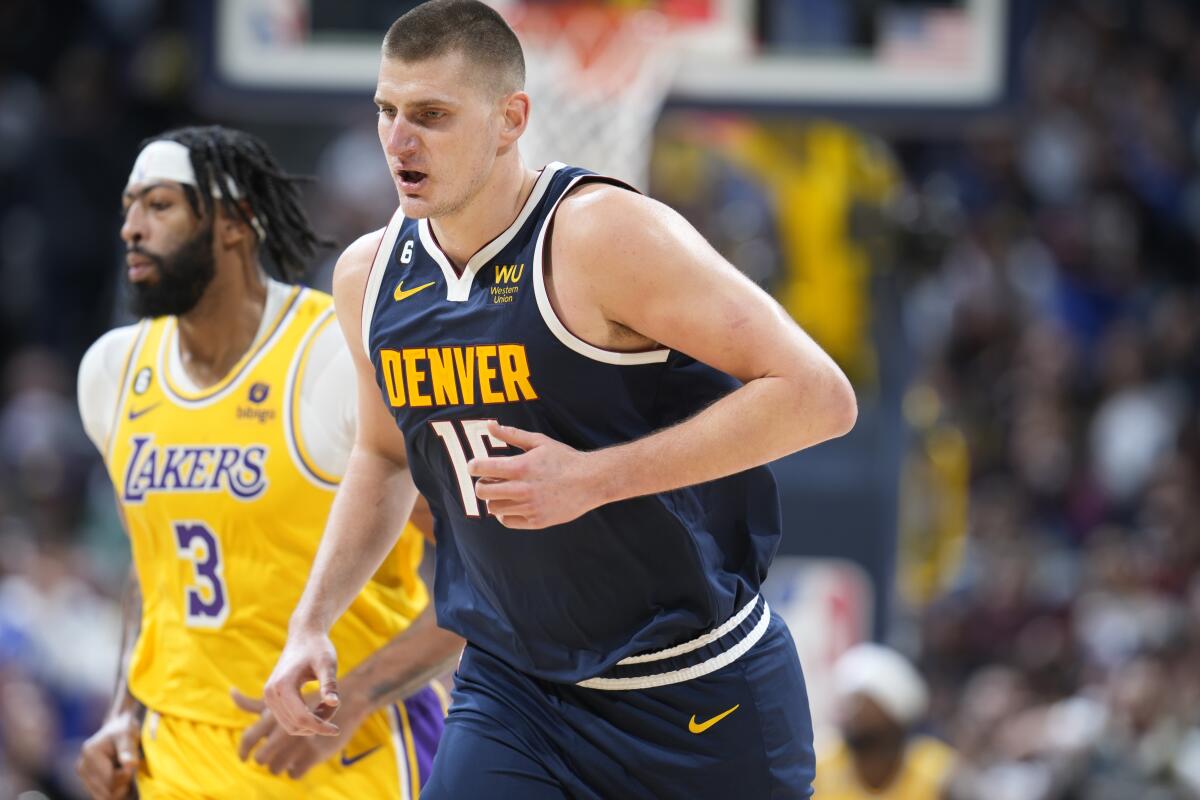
(268, 198)
(470, 27)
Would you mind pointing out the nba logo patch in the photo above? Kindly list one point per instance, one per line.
(259, 392)
(141, 381)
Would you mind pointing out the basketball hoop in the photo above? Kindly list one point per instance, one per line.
(598, 76)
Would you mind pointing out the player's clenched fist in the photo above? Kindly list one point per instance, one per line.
(306, 657)
(109, 759)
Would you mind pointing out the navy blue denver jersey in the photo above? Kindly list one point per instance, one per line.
(453, 351)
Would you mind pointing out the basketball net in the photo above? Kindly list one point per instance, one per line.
(597, 77)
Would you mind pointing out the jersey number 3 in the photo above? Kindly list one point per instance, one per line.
(205, 602)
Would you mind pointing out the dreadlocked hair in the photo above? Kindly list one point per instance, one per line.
(267, 198)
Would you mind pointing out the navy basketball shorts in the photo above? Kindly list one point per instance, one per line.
(741, 731)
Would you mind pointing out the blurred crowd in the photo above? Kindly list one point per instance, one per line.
(1060, 332)
(80, 84)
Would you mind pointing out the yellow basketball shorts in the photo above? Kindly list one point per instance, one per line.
(388, 757)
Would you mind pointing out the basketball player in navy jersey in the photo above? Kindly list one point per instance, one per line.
(587, 394)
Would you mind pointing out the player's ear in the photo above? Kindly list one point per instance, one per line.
(231, 231)
(516, 117)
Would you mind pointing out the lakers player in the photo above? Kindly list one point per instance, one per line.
(225, 424)
(588, 396)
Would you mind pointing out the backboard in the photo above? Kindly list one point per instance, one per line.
(774, 54)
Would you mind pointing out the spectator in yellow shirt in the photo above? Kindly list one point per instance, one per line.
(881, 697)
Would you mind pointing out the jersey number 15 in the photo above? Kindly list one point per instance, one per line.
(481, 443)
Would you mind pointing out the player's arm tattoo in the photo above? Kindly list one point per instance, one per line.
(131, 626)
(387, 688)
(408, 662)
(393, 690)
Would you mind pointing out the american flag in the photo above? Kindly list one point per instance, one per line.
(925, 38)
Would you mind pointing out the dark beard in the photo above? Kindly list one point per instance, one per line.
(182, 278)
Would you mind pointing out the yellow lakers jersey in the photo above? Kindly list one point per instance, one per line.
(225, 511)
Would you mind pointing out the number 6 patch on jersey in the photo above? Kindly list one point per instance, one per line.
(205, 602)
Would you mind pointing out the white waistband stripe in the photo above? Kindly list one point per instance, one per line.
(688, 673)
(698, 642)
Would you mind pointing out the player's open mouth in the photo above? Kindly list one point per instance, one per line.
(410, 179)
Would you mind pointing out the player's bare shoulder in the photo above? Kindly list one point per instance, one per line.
(600, 223)
(354, 265)
(350, 276)
(599, 216)
(604, 242)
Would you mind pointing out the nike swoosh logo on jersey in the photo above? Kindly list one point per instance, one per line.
(701, 727)
(134, 414)
(348, 761)
(402, 293)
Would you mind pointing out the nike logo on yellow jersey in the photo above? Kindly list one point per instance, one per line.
(401, 293)
(350, 760)
(141, 412)
(701, 727)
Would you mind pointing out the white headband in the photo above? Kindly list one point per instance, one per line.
(165, 160)
(886, 677)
